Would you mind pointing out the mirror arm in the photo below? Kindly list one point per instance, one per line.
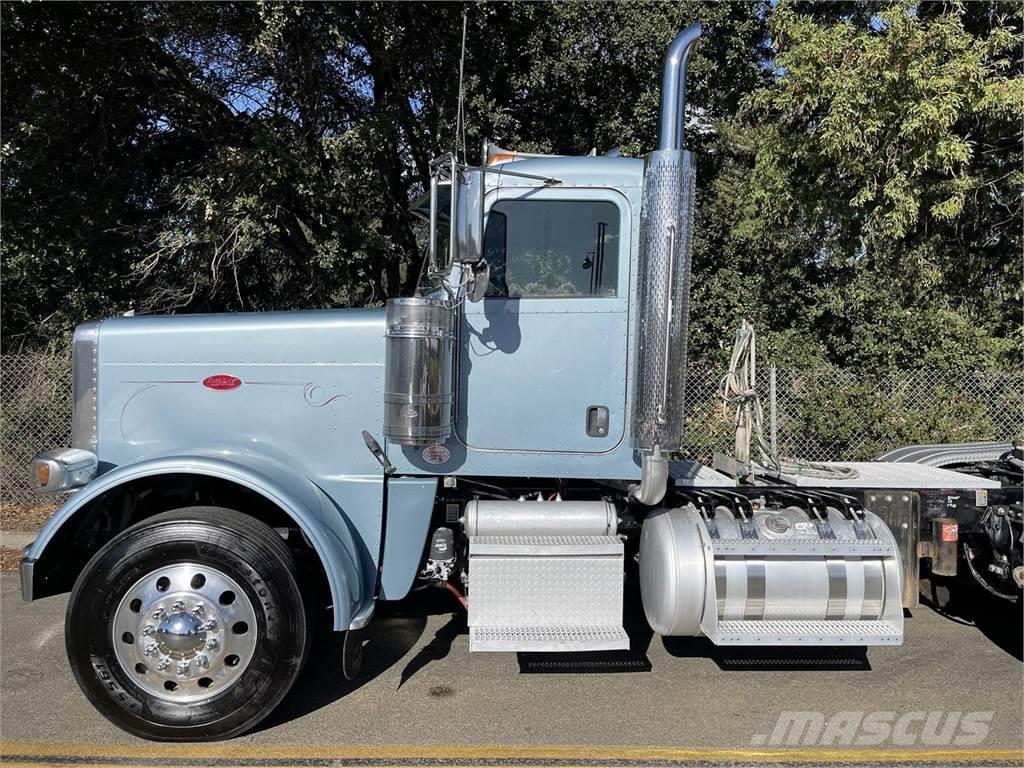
(483, 196)
(548, 181)
(432, 248)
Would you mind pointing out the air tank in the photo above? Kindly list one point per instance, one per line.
(540, 518)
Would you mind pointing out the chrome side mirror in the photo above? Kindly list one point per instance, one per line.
(445, 172)
(469, 219)
(463, 207)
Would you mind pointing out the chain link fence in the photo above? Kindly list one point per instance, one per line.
(823, 414)
(834, 414)
(35, 415)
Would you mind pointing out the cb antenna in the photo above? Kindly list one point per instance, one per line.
(460, 116)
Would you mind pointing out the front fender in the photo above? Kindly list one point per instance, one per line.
(302, 500)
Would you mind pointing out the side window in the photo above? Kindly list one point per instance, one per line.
(553, 248)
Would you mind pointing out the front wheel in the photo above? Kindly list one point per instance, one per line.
(188, 626)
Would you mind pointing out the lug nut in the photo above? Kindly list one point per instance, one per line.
(211, 624)
(151, 650)
(183, 668)
(148, 630)
(159, 613)
(202, 661)
(211, 644)
(199, 609)
(178, 606)
(164, 664)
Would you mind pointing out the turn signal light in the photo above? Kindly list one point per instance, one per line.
(63, 469)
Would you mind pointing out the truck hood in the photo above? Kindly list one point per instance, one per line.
(307, 337)
(281, 383)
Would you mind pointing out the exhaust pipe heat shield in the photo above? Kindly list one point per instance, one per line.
(666, 226)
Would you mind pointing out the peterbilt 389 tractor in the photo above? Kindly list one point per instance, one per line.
(508, 434)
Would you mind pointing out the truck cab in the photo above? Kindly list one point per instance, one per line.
(542, 358)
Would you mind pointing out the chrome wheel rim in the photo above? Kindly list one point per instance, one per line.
(185, 632)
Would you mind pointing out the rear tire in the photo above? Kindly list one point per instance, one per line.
(188, 626)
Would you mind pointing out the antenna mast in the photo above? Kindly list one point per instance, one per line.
(460, 116)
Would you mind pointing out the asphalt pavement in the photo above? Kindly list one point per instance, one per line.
(424, 699)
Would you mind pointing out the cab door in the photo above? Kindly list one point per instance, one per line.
(543, 357)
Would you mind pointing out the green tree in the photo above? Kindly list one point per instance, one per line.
(858, 178)
(198, 157)
(873, 188)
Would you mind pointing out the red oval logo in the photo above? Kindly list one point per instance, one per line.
(222, 381)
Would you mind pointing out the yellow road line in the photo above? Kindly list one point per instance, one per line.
(194, 751)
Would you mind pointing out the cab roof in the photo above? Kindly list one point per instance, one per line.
(590, 171)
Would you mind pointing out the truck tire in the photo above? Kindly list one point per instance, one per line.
(188, 626)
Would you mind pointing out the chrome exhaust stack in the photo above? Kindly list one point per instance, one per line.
(666, 223)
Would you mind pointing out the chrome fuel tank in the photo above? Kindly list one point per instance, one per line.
(777, 577)
(418, 371)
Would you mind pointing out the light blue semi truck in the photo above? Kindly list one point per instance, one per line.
(507, 434)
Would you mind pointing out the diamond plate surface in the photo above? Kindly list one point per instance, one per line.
(693, 475)
(567, 584)
(807, 633)
(545, 545)
(566, 541)
(547, 639)
(545, 591)
(835, 547)
(893, 475)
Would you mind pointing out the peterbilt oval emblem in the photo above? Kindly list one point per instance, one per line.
(222, 381)
(435, 454)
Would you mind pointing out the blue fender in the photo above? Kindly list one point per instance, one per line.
(322, 523)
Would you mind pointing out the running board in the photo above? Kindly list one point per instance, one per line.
(818, 632)
(546, 593)
(547, 639)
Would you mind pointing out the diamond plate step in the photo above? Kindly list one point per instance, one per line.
(550, 639)
(806, 633)
(803, 547)
(545, 593)
(566, 546)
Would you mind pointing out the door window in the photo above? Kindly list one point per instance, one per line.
(552, 248)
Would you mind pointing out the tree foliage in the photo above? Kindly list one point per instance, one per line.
(859, 163)
(873, 189)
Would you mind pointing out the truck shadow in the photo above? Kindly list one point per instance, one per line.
(395, 630)
(769, 658)
(398, 627)
(1001, 623)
